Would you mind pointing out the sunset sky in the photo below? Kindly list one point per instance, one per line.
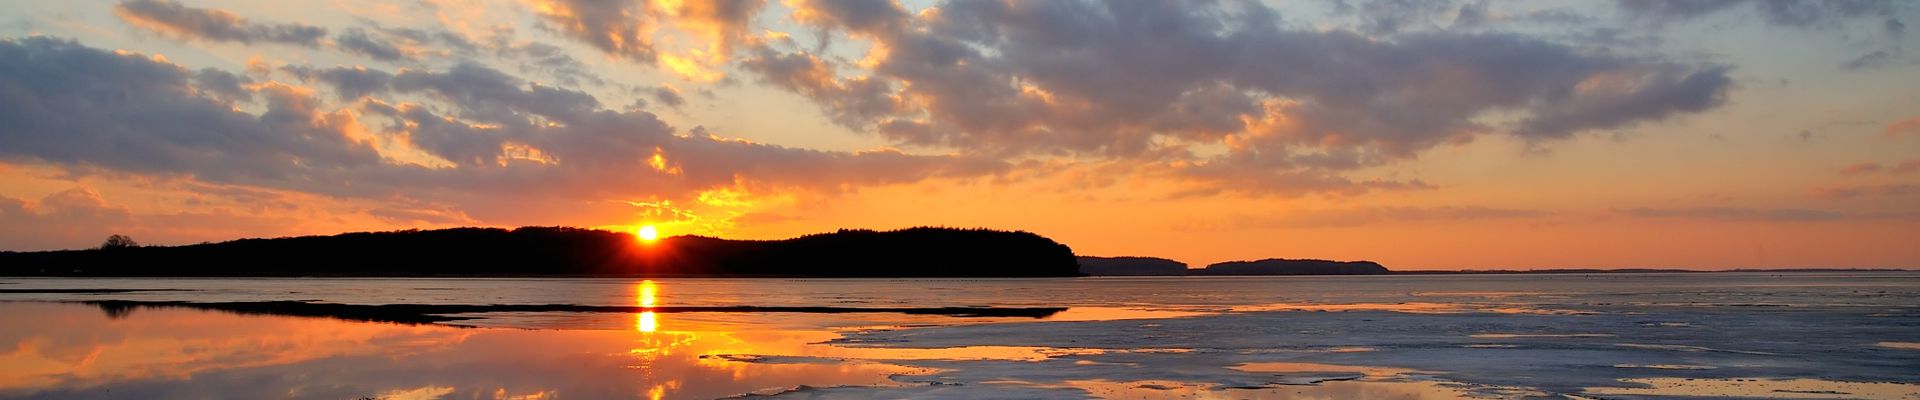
(1419, 134)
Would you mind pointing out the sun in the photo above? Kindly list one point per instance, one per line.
(647, 233)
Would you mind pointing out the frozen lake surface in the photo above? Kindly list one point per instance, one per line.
(1743, 335)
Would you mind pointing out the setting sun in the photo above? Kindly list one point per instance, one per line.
(647, 233)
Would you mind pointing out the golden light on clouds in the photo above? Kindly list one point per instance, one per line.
(659, 162)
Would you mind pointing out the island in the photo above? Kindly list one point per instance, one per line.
(1131, 266)
(1155, 266)
(574, 252)
(1282, 266)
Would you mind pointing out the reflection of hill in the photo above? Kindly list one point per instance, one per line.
(1281, 266)
(1131, 266)
(554, 251)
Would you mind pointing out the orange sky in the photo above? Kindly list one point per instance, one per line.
(1457, 135)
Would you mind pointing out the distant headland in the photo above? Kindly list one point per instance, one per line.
(1152, 266)
(576, 252)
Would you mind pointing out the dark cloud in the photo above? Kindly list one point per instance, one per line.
(395, 44)
(546, 59)
(357, 40)
(1145, 80)
(348, 83)
(1394, 16)
(1805, 14)
(223, 86)
(617, 27)
(512, 143)
(666, 95)
(172, 18)
(70, 104)
(856, 103)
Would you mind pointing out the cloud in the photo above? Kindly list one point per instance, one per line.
(618, 27)
(1850, 192)
(357, 40)
(70, 104)
(1734, 214)
(666, 95)
(1393, 16)
(190, 23)
(1861, 169)
(1908, 166)
(1907, 127)
(1804, 14)
(1147, 81)
(1376, 215)
(504, 144)
(1876, 59)
(635, 30)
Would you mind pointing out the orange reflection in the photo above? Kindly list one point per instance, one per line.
(82, 353)
(647, 290)
(646, 322)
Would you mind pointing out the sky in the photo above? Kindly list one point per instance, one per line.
(1436, 134)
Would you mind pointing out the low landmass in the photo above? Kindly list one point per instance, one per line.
(1131, 266)
(1154, 266)
(1282, 266)
(435, 313)
(1639, 271)
(559, 251)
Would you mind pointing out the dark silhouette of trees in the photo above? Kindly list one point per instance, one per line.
(563, 251)
(119, 242)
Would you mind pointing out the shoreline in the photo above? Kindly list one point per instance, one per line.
(698, 276)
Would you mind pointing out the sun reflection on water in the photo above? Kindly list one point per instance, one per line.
(646, 321)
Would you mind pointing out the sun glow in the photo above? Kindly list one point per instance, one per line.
(647, 233)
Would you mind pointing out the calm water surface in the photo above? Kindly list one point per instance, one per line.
(1745, 335)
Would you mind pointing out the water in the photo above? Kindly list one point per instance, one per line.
(1768, 335)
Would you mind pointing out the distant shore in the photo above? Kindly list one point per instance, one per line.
(1155, 266)
(925, 252)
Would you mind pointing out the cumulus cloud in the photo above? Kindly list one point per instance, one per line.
(70, 104)
(618, 27)
(498, 135)
(190, 23)
(1149, 80)
(631, 29)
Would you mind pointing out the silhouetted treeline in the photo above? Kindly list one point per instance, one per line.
(1131, 266)
(1281, 266)
(559, 251)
